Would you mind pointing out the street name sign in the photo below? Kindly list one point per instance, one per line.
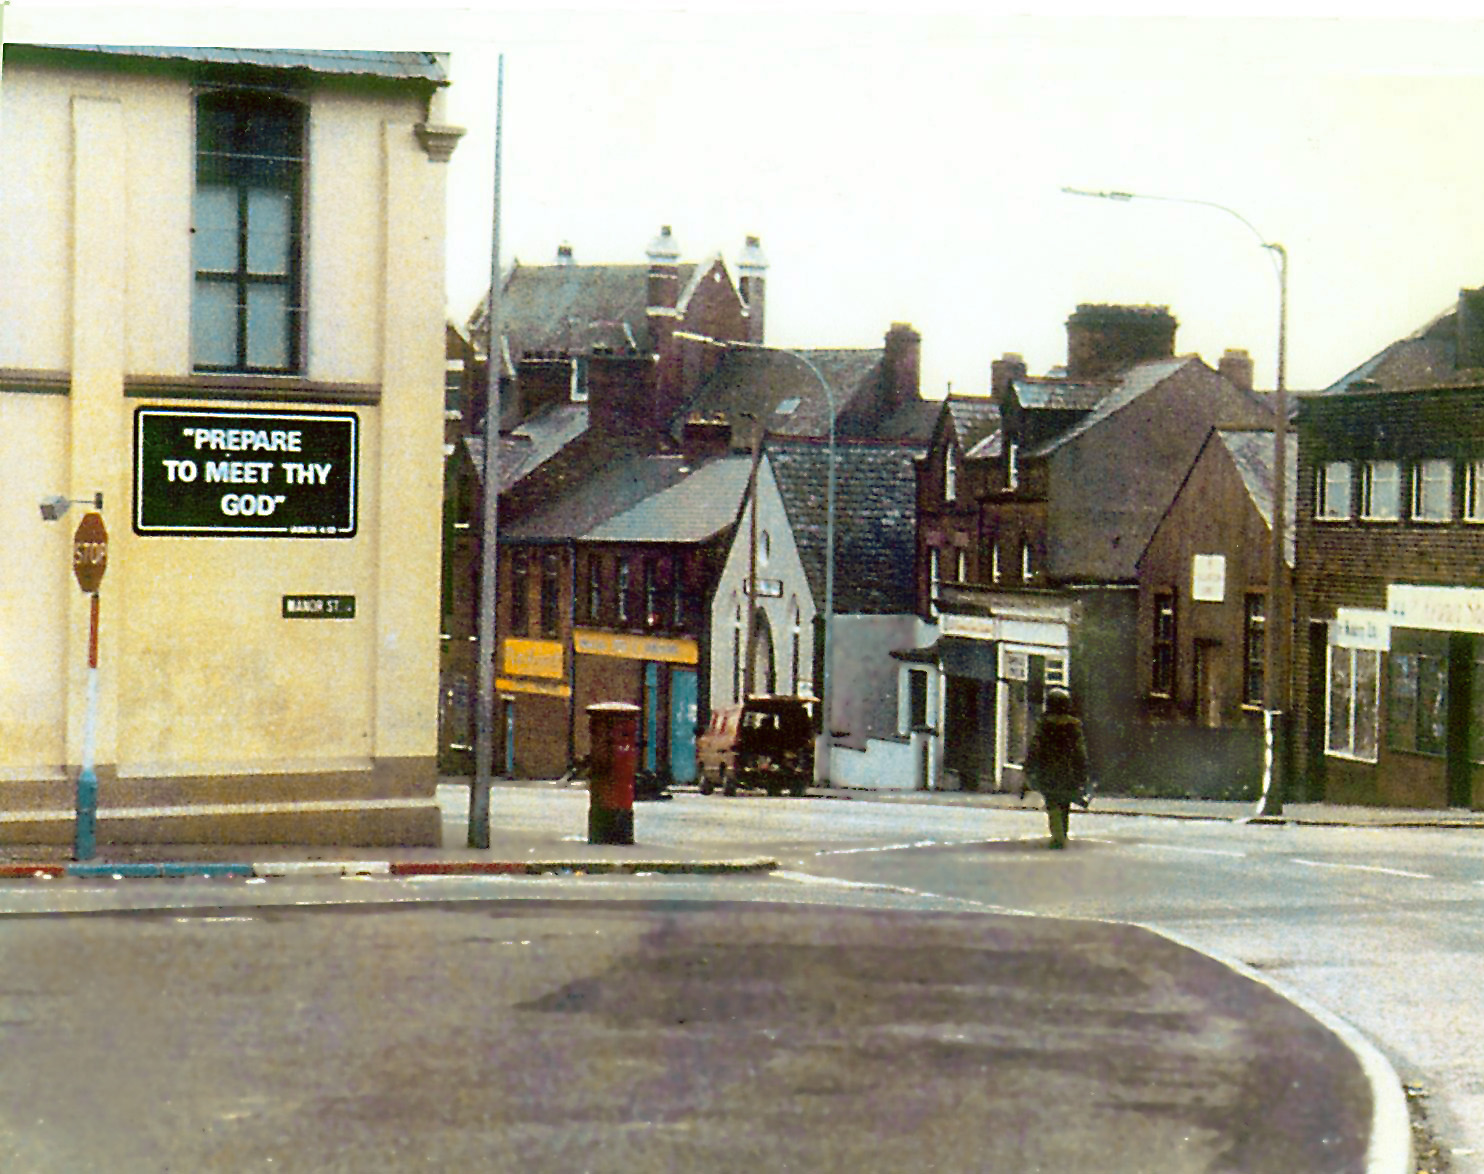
(319, 607)
(244, 473)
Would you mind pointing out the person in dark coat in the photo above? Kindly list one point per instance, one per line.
(1056, 763)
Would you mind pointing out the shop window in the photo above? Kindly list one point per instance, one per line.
(1473, 495)
(1334, 490)
(1254, 633)
(1162, 681)
(1417, 703)
(1432, 491)
(246, 233)
(551, 566)
(520, 602)
(1381, 491)
(1354, 701)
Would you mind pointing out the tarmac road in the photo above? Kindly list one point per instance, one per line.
(641, 1035)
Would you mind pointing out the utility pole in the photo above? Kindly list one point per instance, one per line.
(489, 565)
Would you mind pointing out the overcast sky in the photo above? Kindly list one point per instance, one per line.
(908, 168)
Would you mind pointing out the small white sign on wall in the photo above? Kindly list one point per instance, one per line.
(1208, 578)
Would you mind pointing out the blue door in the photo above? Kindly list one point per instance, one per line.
(682, 725)
(651, 717)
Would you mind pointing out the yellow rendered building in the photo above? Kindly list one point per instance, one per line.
(222, 309)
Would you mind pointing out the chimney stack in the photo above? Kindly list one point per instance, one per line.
(703, 437)
(1236, 368)
(664, 271)
(1104, 341)
(902, 364)
(1470, 320)
(752, 270)
(1002, 373)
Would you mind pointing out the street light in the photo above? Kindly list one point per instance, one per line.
(1275, 660)
(825, 691)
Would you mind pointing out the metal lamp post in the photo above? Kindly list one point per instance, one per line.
(1275, 646)
(825, 690)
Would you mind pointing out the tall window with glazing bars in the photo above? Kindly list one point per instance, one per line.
(247, 238)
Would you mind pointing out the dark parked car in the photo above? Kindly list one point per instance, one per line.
(764, 742)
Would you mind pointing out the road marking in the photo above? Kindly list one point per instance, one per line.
(836, 882)
(1197, 851)
(1365, 868)
(877, 848)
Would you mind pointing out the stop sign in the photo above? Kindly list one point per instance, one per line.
(90, 551)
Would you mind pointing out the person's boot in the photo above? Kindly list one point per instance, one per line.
(1058, 819)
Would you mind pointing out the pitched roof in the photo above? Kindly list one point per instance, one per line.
(975, 418)
(391, 66)
(754, 387)
(571, 309)
(701, 505)
(1428, 357)
(1252, 452)
(1061, 395)
(875, 519)
(1115, 472)
(641, 497)
(532, 443)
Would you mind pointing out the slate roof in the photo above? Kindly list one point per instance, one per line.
(390, 66)
(698, 507)
(1114, 473)
(975, 419)
(1062, 395)
(755, 382)
(531, 444)
(571, 309)
(1428, 357)
(1251, 451)
(629, 501)
(1134, 383)
(875, 519)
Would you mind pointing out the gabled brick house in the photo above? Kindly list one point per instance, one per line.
(1087, 463)
(1389, 660)
(1203, 619)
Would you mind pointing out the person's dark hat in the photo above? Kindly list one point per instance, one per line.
(1058, 700)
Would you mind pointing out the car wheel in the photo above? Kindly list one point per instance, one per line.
(728, 783)
(797, 786)
(707, 784)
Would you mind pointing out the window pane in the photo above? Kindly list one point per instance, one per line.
(268, 326)
(1367, 682)
(269, 216)
(1474, 505)
(1382, 499)
(1401, 702)
(1432, 705)
(1339, 700)
(1433, 500)
(1335, 490)
(214, 229)
(214, 325)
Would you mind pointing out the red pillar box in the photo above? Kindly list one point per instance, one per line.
(613, 729)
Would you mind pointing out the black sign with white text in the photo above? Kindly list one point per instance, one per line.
(244, 473)
(319, 607)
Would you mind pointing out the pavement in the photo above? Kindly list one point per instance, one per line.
(531, 839)
(539, 827)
